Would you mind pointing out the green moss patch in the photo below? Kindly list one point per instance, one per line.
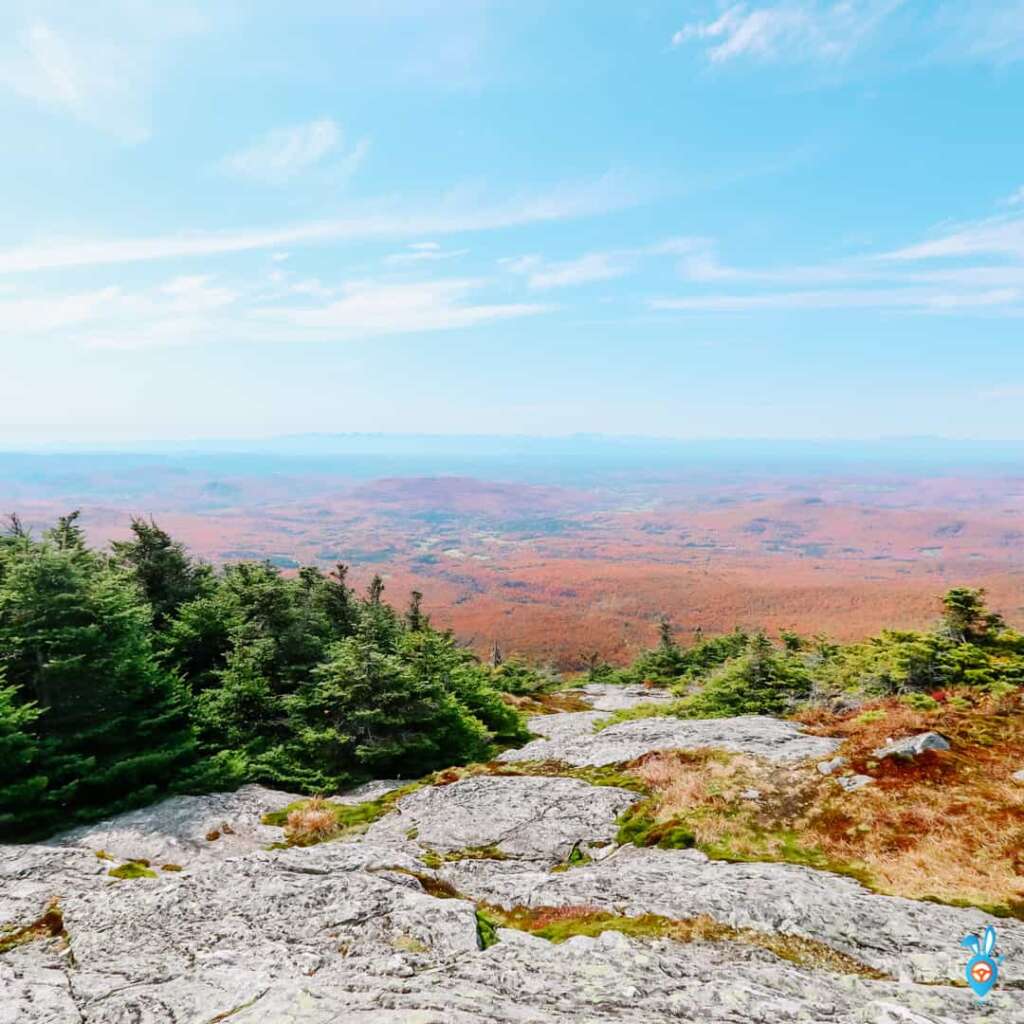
(654, 709)
(486, 929)
(351, 819)
(576, 859)
(434, 859)
(133, 869)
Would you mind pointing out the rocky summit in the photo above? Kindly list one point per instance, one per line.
(210, 917)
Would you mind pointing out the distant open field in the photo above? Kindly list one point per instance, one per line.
(561, 557)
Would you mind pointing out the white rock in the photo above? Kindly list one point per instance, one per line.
(851, 783)
(523, 816)
(911, 746)
(766, 737)
(828, 767)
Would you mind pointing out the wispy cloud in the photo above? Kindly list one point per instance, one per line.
(591, 267)
(95, 62)
(424, 252)
(368, 308)
(284, 154)
(929, 300)
(445, 216)
(990, 32)
(199, 309)
(999, 236)
(975, 266)
(1015, 198)
(791, 31)
(541, 273)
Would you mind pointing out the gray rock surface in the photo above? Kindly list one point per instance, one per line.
(910, 939)
(368, 791)
(527, 817)
(1018, 776)
(911, 746)
(851, 783)
(830, 766)
(609, 697)
(175, 830)
(345, 932)
(571, 743)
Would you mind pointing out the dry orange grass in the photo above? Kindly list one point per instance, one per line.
(945, 825)
(311, 823)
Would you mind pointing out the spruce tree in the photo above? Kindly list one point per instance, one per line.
(24, 808)
(366, 713)
(76, 636)
(166, 575)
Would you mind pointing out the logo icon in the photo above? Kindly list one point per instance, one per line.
(982, 970)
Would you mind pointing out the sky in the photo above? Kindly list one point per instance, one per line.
(774, 218)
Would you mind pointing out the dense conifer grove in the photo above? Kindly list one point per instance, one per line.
(128, 675)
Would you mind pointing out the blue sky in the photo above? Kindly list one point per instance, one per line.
(777, 218)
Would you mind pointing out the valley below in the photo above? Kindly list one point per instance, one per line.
(563, 561)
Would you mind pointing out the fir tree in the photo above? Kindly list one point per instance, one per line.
(76, 636)
(166, 575)
(24, 808)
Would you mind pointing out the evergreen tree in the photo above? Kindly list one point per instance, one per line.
(966, 618)
(435, 658)
(76, 639)
(366, 712)
(761, 682)
(24, 808)
(67, 535)
(166, 575)
(414, 617)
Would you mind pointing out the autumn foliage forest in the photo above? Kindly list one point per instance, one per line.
(564, 558)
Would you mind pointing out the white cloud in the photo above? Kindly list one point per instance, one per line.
(975, 266)
(198, 309)
(95, 62)
(38, 315)
(285, 153)
(594, 266)
(1015, 198)
(926, 300)
(791, 31)
(424, 252)
(368, 308)
(986, 31)
(1001, 236)
(448, 215)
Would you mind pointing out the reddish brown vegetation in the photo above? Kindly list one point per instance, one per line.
(947, 825)
(559, 574)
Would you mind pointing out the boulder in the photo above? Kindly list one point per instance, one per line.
(851, 783)
(833, 765)
(911, 746)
